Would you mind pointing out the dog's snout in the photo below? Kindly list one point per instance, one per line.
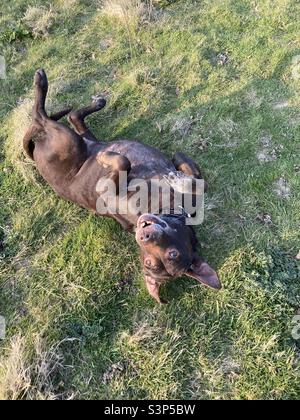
(149, 236)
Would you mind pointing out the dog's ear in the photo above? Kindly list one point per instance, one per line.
(153, 289)
(204, 274)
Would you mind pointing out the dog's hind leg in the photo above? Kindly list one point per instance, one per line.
(41, 90)
(76, 118)
(38, 112)
(59, 115)
(115, 163)
(49, 138)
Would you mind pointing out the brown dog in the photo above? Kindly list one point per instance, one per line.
(73, 161)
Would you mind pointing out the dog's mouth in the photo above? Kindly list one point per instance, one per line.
(150, 228)
(147, 220)
(147, 223)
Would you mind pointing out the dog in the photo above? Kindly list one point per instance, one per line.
(72, 161)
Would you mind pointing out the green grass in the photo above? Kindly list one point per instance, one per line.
(80, 323)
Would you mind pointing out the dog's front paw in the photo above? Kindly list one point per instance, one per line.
(99, 102)
(163, 301)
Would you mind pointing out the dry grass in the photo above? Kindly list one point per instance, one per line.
(40, 20)
(143, 332)
(15, 129)
(128, 12)
(14, 378)
(31, 377)
(67, 5)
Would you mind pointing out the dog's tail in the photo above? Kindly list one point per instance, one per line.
(28, 143)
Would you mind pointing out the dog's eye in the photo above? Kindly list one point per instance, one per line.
(148, 263)
(173, 254)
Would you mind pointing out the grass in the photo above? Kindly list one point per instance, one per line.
(215, 80)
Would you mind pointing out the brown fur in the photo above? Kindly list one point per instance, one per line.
(72, 161)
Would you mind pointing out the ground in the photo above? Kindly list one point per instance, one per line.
(218, 80)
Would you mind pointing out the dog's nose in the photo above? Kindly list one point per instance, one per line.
(149, 236)
(146, 237)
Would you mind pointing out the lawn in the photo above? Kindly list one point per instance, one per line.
(218, 80)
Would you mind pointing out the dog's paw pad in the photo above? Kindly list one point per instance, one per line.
(99, 101)
(163, 301)
(40, 78)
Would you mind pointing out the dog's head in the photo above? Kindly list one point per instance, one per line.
(168, 250)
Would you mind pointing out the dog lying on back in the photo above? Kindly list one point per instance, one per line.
(72, 161)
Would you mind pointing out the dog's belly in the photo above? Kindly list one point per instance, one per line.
(146, 161)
